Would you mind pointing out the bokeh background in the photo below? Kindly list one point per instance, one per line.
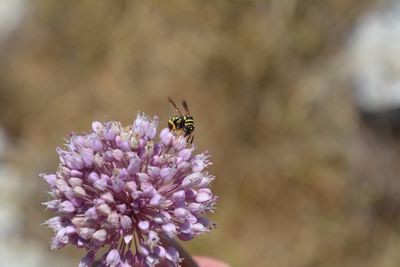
(297, 102)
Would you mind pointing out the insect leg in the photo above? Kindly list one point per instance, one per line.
(192, 138)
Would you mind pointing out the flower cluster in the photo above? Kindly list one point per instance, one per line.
(116, 187)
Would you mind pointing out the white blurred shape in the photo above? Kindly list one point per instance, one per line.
(10, 212)
(374, 59)
(11, 14)
(16, 248)
(3, 143)
(26, 253)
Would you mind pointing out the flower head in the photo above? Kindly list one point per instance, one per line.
(116, 187)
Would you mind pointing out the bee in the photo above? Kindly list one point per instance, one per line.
(183, 123)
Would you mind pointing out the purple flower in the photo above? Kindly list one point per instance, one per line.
(117, 187)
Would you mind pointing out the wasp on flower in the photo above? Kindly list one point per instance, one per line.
(121, 189)
(183, 123)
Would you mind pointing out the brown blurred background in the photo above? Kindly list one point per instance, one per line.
(302, 180)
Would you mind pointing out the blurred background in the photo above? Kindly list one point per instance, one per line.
(298, 103)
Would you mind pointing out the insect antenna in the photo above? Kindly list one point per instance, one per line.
(173, 104)
(185, 106)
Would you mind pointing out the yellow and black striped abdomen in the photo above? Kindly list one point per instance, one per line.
(188, 126)
(188, 120)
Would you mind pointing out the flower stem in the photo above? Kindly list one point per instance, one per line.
(188, 261)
